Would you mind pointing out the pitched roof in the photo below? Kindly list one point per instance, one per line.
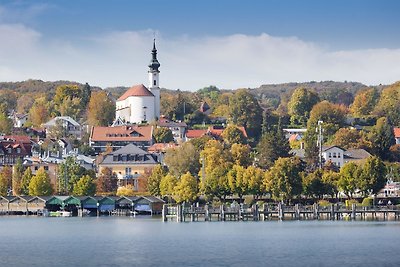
(161, 147)
(122, 133)
(195, 133)
(136, 90)
(356, 154)
(396, 132)
(218, 131)
(204, 107)
(53, 121)
(136, 156)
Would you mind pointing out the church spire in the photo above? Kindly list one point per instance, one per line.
(154, 64)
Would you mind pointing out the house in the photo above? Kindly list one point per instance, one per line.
(397, 135)
(205, 108)
(129, 164)
(291, 131)
(71, 127)
(120, 136)
(51, 147)
(195, 133)
(213, 131)
(159, 149)
(178, 129)
(337, 155)
(13, 148)
(19, 120)
(51, 168)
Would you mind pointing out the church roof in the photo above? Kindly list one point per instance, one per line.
(136, 90)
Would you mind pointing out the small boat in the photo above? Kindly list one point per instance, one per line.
(60, 213)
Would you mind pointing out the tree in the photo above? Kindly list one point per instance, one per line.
(284, 179)
(69, 173)
(40, 184)
(106, 183)
(6, 124)
(86, 93)
(382, 138)
(163, 135)
(348, 138)
(182, 159)
(244, 110)
(236, 180)
(241, 154)
(373, 176)
(18, 171)
(101, 109)
(313, 184)
(300, 105)
(167, 185)
(254, 177)
(154, 180)
(25, 181)
(39, 112)
(233, 135)
(348, 178)
(5, 181)
(389, 104)
(330, 179)
(215, 183)
(126, 191)
(85, 186)
(186, 189)
(364, 102)
(273, 145)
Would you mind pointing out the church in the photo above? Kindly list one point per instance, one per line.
(140, 104)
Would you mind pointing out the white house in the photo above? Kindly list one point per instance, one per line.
(69, 124)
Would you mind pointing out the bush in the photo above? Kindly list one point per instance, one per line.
(367, 202)
(350, 202)
(248, 200)
(126, 191)
(324, 203)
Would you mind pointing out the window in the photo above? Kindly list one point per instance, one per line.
(128, 171)
(338, 155)
(46, 168)
(154, 83)
(334, 154)
(330, 155)
(18, 150)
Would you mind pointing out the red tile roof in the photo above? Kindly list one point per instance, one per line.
(122, 133)
(396, 132)
(161, 147)
(136, 90)
(218, 131)
(195, 133)
(19, 138)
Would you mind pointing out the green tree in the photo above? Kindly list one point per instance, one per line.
(254, 177)
(40, 184)
(331, 179)
(389, 103)
(101, 109)
(26, 180)
(5, 180)
(215, 183)
(186, 189)
(241, 155)
(364, 102)
(163, 135)
(313, 184)
(233, 135)
(237, 182)
(382, 138)
(284, 179)
(18, 172)
(273, 145)
(86, 94)
(6, 123)
(373, 177)
(348, 180)
(85, 186)
(155, 179)
(300, 105)
(106, 183)
(69, 173)
(182, 159)
(167, 185)
(244, 110)
(39, 112)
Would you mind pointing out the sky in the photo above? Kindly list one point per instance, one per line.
(227, 43)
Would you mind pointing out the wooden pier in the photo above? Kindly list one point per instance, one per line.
(182, 213)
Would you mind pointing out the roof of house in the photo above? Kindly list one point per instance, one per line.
(326, 148)
(356, 154)
(167, 123)
(298, 152)
(19, 138)
(136, 156)
(195, 133)
(204, 107)
(161, 147)
(122, 133)
(218, 131)
(53, 121)
(136, 90)
(294, 137)
(396, 132)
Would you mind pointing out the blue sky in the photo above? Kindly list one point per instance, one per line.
(230, 44)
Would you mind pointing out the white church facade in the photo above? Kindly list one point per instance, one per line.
(141, 104)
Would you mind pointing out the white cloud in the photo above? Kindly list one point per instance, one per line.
(188, 63)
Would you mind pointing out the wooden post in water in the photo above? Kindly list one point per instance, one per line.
(164, 212)
(264, 206)
(281, 214)
(222, 213)
(297, 211)
(332, 215)
(316, 213)
(193, 213)
(206, 213)
(255, 212)
(353, 211)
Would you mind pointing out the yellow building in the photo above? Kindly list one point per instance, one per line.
(129, 164)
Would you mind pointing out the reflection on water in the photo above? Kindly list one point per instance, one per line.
(105, 241)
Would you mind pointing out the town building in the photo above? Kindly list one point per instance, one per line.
(13, 148)
(140, 104)
(178, 129)
(120, 136)
(397, 135)
(129, 164)
(71, 127)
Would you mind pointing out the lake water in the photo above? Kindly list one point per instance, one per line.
(111, 241)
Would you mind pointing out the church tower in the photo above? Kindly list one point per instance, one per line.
(154, 80)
